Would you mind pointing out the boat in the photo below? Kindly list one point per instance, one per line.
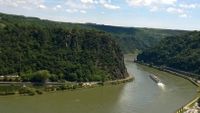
(154, 78)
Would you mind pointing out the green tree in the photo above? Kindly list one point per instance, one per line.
(40, 76)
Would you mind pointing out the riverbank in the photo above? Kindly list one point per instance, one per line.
(190, 105)
(28, 88)
(127, 79)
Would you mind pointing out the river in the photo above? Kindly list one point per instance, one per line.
(142, 95)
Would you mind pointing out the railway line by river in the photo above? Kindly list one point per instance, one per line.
(140, 96)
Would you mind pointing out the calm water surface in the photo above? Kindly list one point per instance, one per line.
(140, 96)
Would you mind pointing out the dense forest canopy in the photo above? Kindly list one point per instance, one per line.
(179, 52)
(31, 47)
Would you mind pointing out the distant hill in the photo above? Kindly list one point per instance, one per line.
(179, 52)
(68, 51)
(131, 38)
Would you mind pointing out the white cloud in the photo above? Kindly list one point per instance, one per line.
(180, 12)
(57, 7)
(153, 9)
(79, 6)
(89, 1)
(20, 2)
(183, 15)
(75, 11)
(42, 6)
(103, 1)
(174, 10)
(171, 6)
(71, 10)
(150, 2)
(188, 6)
(107, 4)
(83, 11)
(74, 4)
(152, 5)
(88, 4)
(168, 2)
(27, 4)
(110, 6)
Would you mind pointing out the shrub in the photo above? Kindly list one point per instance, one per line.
(38, 91)
(26, 91)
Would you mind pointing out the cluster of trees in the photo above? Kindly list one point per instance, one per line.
(40, 76)
(179, 52)
(28, 46)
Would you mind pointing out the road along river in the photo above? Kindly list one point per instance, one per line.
(142, 95)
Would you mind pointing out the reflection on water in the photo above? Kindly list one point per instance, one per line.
(140, 96)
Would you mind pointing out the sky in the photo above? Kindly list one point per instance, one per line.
(167, 14)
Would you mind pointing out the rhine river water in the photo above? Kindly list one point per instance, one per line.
(142, 95)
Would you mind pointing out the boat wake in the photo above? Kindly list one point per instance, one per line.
(157, 80)
(161, 85)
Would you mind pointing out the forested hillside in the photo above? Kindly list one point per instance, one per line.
(130, 38)
(67, 51)
(83, 52)
(179, 52)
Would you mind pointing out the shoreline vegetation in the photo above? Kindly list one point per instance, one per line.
(190, 104)
(30, 89)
